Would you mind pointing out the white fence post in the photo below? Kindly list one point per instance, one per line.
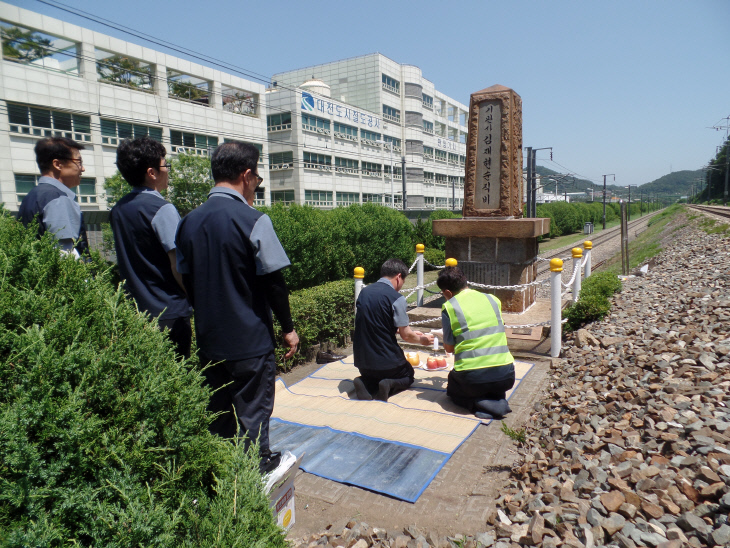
(577, 259)
(588, 246)
(420, 248)
(556, 327)
(359, 275)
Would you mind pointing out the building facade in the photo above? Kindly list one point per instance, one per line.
(58, 79)
(338, 131)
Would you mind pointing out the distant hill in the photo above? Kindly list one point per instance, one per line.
(678, 183)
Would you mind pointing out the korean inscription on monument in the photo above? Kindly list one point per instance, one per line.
(488, 164)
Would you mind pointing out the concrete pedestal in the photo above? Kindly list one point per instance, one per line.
(496, 251)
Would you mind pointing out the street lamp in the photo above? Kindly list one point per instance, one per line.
(392, 188)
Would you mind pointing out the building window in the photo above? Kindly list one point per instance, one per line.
(112, 132)
(192, 143)
(343, 131)
(395, 141)
(371, 170)
(317, 161)
(85, 192)
(260, 198)
(285, 197)
(462, 138)
(396, 202)
(37, 49)
(281, 160)
(317, 125)
(453, 180)
(428, 201)
(462, 161)
(188, 88)
(428, 127)
(396, 172)
(114, 68)
(347, 198)
(453, 114)
(42, 122)
(239, 101)
(318, 198)
(442, 203)
(346, 165)
(391, 84)
(372, 198)
(278, 122)
(440, 155)
(391, 114)
(427, 178)
(427, 102)
(441, 179)
(369, 137)
(453, 159)
(428, 152)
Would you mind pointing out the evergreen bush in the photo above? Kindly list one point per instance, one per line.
(320, 314)
(434, 256)
(593, 302)
(103, 434)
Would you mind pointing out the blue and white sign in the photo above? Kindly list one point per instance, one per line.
(447, 144)
(315, 104)
(307, 102)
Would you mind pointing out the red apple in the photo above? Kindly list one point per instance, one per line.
(441, 362)
(432, 362)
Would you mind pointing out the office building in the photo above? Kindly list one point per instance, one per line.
(338, 131)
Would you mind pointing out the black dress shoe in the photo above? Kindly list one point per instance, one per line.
(328, 357)
(269, 462)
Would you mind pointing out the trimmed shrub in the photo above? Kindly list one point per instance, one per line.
(593, 302)
(322, 313)
(434, 256)
(103, 434)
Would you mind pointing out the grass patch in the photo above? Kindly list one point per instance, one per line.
(550, 244)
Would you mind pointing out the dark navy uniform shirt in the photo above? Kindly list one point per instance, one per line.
(381, 310)
(144, 226)
(223, 248)
(58, 212)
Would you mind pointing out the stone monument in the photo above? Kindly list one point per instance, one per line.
(493, 244)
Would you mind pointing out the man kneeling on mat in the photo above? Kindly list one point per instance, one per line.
(474, 332)
(381, 311)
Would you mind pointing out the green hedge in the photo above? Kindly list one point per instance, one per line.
(423, 233)
(325, 246)
(103, 433)
(325, 313)
(593, 302)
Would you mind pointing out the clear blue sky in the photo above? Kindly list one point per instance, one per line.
(624, 87)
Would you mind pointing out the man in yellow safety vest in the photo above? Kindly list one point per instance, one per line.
(474, 331)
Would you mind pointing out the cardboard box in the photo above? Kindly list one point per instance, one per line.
(282, 497)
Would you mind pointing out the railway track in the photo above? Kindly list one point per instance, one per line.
(601, 238)
(720, 211)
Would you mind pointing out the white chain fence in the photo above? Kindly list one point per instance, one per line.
(413, 265)
(433, 265)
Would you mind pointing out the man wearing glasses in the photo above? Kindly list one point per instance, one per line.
(231, 261)
(52, 201)
(144, 226)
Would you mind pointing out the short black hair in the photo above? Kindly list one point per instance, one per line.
(233, 158)
(136, 156)
(392, 267)
(54, 148)
(451, 278)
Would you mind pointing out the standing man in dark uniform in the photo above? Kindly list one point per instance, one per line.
(231, 261)
(52, 201)
(381, 312)
(144, 226)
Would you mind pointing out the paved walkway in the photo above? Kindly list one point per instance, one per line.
(458, 500)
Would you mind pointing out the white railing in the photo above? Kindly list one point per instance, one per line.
(346, 136)
(280, 127)
(278, 167)
(37, 131)
(390, 118)
(391, 89)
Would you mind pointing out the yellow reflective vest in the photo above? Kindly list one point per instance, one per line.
(476, 322)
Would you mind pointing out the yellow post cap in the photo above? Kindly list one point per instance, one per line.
(420, 248)
(556, 265)
(577, 252)
(451, 262)
(588, 244)
(359, 272)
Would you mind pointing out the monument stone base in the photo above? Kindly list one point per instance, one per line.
(496, 251)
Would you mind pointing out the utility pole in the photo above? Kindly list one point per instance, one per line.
(604, 196)
(403, 177)
(726, 127)
(533, 200)
(528, 190)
